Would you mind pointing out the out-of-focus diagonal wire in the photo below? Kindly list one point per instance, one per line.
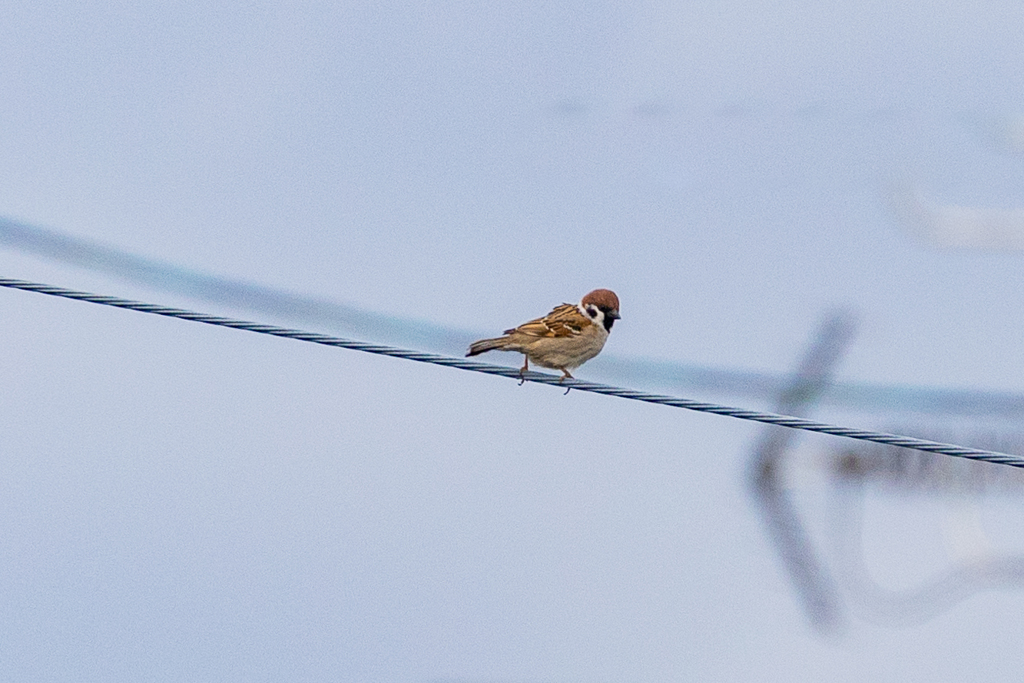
(343, 319)
(540, 378)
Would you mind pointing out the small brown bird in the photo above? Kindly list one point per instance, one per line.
(565, 338)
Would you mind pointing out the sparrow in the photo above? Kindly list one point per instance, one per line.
(564, 339)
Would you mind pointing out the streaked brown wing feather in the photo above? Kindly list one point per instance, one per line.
(563, 321)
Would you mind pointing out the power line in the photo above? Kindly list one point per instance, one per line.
(539, 378)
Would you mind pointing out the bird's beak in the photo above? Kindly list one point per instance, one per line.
(614, 315)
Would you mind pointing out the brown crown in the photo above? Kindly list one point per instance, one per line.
(602, 298)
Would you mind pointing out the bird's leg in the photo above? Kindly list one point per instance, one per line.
(565, 373)
(523, 370)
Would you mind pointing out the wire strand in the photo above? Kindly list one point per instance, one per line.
(531, 376)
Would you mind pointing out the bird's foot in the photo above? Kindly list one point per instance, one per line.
(565, 374)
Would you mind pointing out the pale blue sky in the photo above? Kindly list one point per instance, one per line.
(182, 503)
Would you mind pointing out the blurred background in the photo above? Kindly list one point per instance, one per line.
(189, 503)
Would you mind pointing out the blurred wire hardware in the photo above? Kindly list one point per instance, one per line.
(766, 474)
(854, 473)
(900, 470)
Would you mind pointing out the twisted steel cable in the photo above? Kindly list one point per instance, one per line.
(531, 376)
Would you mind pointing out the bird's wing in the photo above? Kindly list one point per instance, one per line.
(565, 321)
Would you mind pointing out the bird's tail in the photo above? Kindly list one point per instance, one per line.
(486, 345)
